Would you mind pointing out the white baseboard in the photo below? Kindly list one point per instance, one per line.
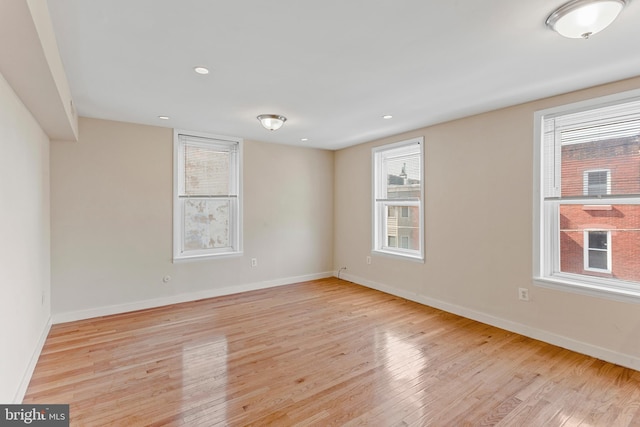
(28, 373)
(71, 316)
(626, 360)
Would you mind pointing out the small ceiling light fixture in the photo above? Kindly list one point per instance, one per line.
(304, 139)
(163, 117)
(272, 121)
(583, 18)
(387, 116)
(201, 70)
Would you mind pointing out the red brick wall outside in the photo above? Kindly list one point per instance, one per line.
(624, 223)
(622, 158)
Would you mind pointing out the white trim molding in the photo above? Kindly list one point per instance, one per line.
(90, 313)
(626, 360)
(28, 373)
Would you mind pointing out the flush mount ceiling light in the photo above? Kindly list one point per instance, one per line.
(583, 18)
(272, 121)
(201, 70)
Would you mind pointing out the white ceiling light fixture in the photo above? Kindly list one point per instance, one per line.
(201, 70)
(272, 121)
(583, 18)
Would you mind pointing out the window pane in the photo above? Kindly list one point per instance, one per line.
(405, 230)
(597, 183)
(581, 161)
(598, 240)
(598, 259)
(206, 171)
(623, 243)
(206, 224)
(403, 175)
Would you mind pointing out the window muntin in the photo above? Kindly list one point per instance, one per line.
(207, 202)
(398, 199)
(589, 208)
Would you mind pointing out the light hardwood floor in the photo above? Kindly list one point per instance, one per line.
(323, 353)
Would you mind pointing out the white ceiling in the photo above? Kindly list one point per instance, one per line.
(332, 67)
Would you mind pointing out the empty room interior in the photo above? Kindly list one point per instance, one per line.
(321, 213)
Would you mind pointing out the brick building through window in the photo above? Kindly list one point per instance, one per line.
(601, 239)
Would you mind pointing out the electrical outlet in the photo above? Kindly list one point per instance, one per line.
(254, 262)
(523, 294)
(368, 260)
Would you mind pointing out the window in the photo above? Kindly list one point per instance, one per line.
(398, 199)
(597, 255)
(207, 196)
(587, 230)
(597, 183)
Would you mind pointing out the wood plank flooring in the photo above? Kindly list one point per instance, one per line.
(321, 353)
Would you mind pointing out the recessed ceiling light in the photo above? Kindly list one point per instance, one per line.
(201, 70)
(163, 117)
(387, 116)
(304, 139)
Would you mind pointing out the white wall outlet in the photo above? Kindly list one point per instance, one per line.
(523, 294)
(254, 262)
(166, 279)
(368, 260)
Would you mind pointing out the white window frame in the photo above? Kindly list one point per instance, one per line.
(546, 229)
(235, 226)
(585, 180)
(381, 203)
(587, 249)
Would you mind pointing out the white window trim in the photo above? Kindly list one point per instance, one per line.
(545, 261)
(379, 209)
(586, 250)
(178, 229)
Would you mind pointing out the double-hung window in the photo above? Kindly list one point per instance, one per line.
(398, 202)
(597, 256)
(587, 232)
(207, 195)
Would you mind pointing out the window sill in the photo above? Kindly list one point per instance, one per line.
(607, 289)
(191, 258)
(397, 255)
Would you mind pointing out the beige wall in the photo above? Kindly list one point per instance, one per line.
(479, 221)
(111, 219)
(24, 243)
